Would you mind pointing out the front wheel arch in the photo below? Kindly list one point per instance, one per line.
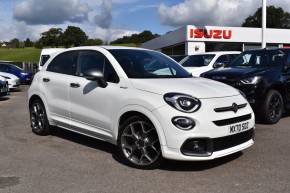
(139, 110)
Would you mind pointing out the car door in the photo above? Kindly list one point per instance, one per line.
(286, 77)
(92, 107)
(55, 85)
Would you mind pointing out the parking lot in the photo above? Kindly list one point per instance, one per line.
(68, 162)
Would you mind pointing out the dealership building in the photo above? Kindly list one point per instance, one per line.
(191, 39)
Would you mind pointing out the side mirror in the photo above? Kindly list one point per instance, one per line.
(96, 75)
(218, 65)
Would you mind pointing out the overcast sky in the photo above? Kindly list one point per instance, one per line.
(110, 19)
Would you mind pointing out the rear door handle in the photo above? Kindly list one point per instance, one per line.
(75, 85)
(46, 79)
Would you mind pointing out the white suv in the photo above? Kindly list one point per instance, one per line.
(203, 62)
(142, 101)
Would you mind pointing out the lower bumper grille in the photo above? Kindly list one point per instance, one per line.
(232, 140)
(204, 147)
(234, 120)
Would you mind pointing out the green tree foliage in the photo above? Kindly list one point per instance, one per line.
(74, 36)
(15, 43)
(38, 44)
(28, 43)
(93, 42)
(276, 18)
(136, 38)
(52, 37)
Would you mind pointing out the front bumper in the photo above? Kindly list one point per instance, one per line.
(205, 128)
(14, 84)
(4, 90)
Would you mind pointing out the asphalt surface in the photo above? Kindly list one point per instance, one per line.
(71, 163)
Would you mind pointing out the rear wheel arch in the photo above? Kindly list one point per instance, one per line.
(39, 97)
(34, 98)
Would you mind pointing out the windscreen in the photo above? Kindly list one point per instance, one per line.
(148, 64)
(198, 60)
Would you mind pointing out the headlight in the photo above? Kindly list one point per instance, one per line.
(182, 102)
(24, 73)
(251, 80)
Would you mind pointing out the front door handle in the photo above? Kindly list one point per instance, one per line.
(45, 79)
(75, 85)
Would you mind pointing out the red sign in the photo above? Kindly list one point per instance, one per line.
(210, 34)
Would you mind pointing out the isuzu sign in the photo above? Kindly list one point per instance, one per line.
(199, 33)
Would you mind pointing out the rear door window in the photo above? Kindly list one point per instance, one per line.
(4, 68)
(64, 63)
(276, 57)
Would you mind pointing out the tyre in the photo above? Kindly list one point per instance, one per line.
(272, 108)
(138, 143)
(38, 118)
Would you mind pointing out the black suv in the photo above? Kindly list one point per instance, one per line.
(264, 77)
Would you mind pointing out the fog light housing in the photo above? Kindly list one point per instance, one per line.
(197, 147)
(183, 123)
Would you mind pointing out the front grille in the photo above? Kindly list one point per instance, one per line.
(232, 140)
(234, 120)
(234, 108)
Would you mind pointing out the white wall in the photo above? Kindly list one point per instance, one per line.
(241, 34)
(194, 47)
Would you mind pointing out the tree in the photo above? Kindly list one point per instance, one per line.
(93, 42)
(15, 43)
(52, 37)
(276, 18)
(38, 44)
(28, 43)
(74, 36)
(136, 38)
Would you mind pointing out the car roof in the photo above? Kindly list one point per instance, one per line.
(49, 51)
(218, 52)
(269, 49)
(107, 48)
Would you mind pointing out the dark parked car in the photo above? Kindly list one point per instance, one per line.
(264, 77)
(25, 77)
(3, 87)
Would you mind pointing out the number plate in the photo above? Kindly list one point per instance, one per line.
(238, 128)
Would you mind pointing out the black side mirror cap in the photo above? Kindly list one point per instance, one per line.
(218, 65)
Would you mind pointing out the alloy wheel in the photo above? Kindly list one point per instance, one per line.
(140, 143)
(37, 117)
(275, 107)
